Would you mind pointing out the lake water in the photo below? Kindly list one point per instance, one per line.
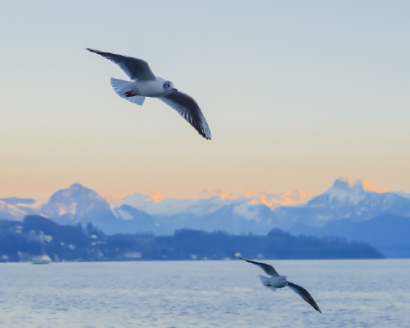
(356, 293)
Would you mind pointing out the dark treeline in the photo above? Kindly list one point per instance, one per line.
(19, 241)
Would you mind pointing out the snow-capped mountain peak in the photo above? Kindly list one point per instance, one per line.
(76, 200)
(351, 191)
(364, 185)
(288, 198)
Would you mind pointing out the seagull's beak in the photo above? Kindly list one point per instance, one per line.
(175, 89)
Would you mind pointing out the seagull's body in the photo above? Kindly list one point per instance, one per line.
(143, 83)
(149, 88)
(277, 281)
(273, 282)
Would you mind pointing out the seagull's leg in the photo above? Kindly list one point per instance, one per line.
(131, 93)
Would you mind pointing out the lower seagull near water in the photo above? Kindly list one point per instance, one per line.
(145, 84)
(277, 281)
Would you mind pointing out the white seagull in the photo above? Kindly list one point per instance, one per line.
(145, 84)
(277, 281)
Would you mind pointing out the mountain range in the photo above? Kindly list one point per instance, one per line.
(347, 202)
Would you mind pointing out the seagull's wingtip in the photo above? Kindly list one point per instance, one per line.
(92, 50)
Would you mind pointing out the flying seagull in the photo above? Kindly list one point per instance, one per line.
(277, 281)
(145, 84)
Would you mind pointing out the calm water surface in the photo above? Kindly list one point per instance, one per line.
(369, 293)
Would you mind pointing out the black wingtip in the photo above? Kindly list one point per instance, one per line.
(92, 50)
(204, 135)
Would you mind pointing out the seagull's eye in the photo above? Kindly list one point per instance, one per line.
(166, 85)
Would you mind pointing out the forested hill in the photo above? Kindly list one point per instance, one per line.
(19, 241)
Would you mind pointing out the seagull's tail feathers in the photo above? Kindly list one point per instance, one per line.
(121, 87)
(266, 282)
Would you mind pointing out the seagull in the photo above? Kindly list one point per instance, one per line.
(277, 281)
(145, 84)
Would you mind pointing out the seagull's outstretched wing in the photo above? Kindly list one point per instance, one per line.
(265, 267)
(189, 110)
(136, 69)
(304, 294)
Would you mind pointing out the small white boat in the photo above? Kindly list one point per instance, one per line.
(41, 259)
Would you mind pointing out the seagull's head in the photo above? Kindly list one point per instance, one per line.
(168, 86)
(284, 278)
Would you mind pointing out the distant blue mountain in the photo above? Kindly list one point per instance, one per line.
(134, 220)
(389, 233)
(225, 219)
(355, 200)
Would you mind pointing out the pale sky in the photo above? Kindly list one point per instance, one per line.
(296, 94)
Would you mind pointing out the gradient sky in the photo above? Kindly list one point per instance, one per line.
(296, 93)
